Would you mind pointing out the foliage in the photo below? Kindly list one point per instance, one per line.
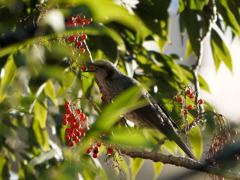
(36, 80)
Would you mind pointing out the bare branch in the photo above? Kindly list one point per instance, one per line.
(183, 162)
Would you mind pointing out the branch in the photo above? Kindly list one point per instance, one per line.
(212, 19)
(183, 162)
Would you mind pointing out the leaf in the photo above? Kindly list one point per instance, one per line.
(220, 51)
(126, 102)
(50, 92)
(189, 50)
(197, 4)
(123, 137)
(229, 12)
(155, 15)
(4, 167)
(203, 84)
(42, 158)
(195, 138)
(9, 74)
(40, 111)
(158, 168)
(135, 164)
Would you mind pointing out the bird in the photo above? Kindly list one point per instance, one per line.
(112, 82)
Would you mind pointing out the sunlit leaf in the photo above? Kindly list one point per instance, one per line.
(135, 164)
(220, 51)
(42, 158)
(158, 168)
(9, 73)
(203, 84)
(229, 12)
(196, 141)
(40, 111)
(50, 92)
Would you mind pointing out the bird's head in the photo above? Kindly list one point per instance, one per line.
(104, 70)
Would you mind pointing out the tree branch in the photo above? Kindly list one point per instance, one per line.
(211, 20)
(183, 162)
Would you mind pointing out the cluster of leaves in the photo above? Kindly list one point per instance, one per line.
(35, 81)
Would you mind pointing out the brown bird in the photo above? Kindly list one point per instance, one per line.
(113, 82)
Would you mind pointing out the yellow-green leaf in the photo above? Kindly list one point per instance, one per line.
(40, 111)
(50, 92)
(135, 164)
(158, 168)
(9, 73)
(220, 51)
(195, 138)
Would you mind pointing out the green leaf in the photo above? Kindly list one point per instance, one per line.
(203, 84)
(9, 74)
(42, 158)
(50, 92)
(123, 137)
(126, 102)
(229, 12)
(40, 111)
(197, 4)
(155, 15)
(4, 167)
(189, 50)
(195, 138)
(158, 168)
(135, 164)
(220, 51)
(68, 79)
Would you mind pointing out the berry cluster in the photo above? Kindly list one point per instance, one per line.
(76, 122)
(217, 148)
(182, 96)
(78, 39)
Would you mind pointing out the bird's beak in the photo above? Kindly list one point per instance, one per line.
(92, 67)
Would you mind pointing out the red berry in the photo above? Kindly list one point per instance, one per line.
(191, 95)
(79, 43)
(95, 155)
(190, 107)
(64, 116)
(200, 101)
(67, 130)
(188, 91)
(98, 144)
(110, 152)
(72, 135)
(71, 38)
(236, 157)
(82, 50)
(90, 19)
(66, 106)
(185, 112)
(234, 132)
(87, 22)
(83, 68)
(215, 144)
(77, 140)
(84, 36)
(96, 149)
(64, 123)
(68, 111)
(78, 133)
(70, 144)
(67, 138)
(89, 150)
(179, 99)
(82, 115)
